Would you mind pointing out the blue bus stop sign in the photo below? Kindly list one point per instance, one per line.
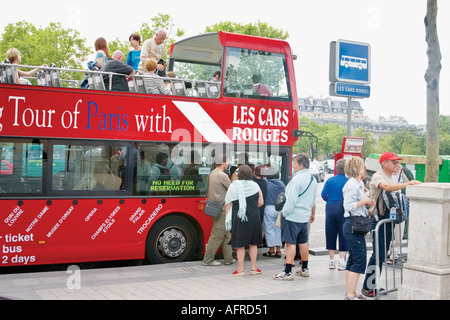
(352, 62)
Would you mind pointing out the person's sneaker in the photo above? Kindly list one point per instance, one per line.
(283, 276)
(303, 272)
(229, 263)
(342, 266)
(332, 265)
(212, 263)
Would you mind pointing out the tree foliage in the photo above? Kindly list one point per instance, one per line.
(52, 44)
(401, 141)
(148, 31)
(260, 29)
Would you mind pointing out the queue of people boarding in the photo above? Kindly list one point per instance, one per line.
(242, 225)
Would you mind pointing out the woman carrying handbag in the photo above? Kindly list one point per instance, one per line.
(355, 205)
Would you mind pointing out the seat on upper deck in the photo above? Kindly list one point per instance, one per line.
(178, 87)
(202, 90)
(95, 80)
(7, 72)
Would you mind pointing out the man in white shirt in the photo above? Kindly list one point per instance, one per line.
(153, 48)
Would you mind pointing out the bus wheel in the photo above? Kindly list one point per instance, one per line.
(172, 239)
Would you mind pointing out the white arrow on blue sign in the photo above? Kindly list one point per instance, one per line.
(352, 62)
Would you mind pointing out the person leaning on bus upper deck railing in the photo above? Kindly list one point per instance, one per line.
(117, 65)
(14, 56)
(155, 83)
(153, 48)
(102, 52)
(134, 56)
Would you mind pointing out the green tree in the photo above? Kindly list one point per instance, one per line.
(260, 29)
(148, 31)
(53, 44)
(118, 44)
(330, 137)
(403, 141)
(408, 141)
(370, 142)
(444, 143)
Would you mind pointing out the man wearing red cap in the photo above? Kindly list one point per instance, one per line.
(385, 179)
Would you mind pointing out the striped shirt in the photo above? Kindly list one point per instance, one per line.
(155, 85)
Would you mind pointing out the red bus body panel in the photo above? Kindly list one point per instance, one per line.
(40, 232)
(79, 114)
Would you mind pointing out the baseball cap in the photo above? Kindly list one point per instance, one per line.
(389, 156)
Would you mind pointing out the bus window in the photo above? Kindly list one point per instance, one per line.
(86, 168)
(171, 169)
(273, 163)
(256, 74)
(21, 169)
(197, 79)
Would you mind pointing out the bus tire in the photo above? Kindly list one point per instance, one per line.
(171, 239)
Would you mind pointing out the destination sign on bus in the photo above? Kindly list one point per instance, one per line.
(112, 117)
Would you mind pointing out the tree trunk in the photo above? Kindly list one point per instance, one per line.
(432, 80)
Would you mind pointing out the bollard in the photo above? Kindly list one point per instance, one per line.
(426, 275)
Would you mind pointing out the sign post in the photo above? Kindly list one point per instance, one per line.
(350, 71)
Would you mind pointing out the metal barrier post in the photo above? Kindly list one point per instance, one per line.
(378, 267)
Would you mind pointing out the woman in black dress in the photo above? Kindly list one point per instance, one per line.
(244, 197)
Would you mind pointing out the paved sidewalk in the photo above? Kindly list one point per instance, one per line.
(179, 281)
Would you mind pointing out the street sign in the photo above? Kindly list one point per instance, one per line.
(350, 62)
(349, 90)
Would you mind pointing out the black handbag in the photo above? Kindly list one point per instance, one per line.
(280, 201)
(360, 224)
(212, 209)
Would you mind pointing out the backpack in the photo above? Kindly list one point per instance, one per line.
(398, 200)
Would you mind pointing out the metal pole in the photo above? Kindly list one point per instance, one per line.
(349, 117)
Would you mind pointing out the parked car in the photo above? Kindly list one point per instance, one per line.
(329, 165)
(317, 170)
(6, 167)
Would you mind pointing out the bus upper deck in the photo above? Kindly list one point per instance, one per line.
(246, 63)
(243, 59)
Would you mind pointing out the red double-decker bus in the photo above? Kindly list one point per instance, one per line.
(96, 175)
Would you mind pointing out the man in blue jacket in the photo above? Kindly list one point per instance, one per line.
(334, 215)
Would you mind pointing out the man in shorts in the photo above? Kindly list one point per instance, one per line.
(297, 212)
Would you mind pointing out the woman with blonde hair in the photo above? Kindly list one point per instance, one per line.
(14, 56)
(355, 202)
